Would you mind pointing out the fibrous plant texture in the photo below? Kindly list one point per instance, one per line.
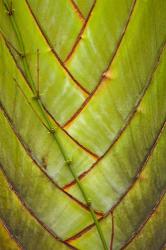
(82, 124)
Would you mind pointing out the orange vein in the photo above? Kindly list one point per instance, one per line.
(85, 92)
(135, 179)
(29, 153)
(53, 119)
(78, 11)
(141, 227)
(112, 234)
(128, 120)
(29, 210)
(10, 234)
(103, 77)
(79, 37)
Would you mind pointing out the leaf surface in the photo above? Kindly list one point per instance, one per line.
(82, 118)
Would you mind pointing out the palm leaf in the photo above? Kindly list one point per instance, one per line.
(82, 115)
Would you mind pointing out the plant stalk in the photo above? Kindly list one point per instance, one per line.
(47, 121)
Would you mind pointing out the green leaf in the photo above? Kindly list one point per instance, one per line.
(82, 117)
(84, 6)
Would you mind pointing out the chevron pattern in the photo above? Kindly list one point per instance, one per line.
(99, 70)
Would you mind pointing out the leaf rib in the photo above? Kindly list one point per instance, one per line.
(153, 211)
(92, 154)
(29, 210)
(79, 37)
(30, 155)
(129, 118)
(112, 233)
(50, 115)
(143, 165)
(63, 153)
(77, 10)
(10, 234)
(135, 179)
(102, 78)
(84, 91)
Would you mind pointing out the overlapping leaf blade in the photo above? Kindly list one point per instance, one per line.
(100, 67)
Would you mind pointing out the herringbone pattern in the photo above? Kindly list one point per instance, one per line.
(97, 70)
